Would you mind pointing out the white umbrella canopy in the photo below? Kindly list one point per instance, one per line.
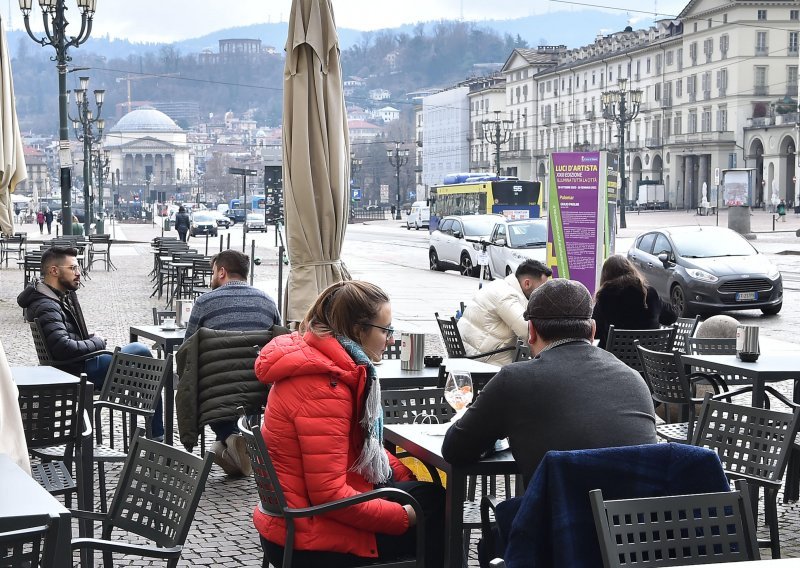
(12, 156)
(316, 155)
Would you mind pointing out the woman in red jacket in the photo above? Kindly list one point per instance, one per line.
(324, 430)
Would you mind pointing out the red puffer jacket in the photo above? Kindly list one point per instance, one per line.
(312, 432)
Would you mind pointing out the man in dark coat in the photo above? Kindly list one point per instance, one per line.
(48, 219)
(54, 303)
(182, 223)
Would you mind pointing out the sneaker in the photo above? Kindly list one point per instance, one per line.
(222, 459)
(237, 448)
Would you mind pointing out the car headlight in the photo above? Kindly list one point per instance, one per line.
(773, 273)
(476, 246)
(701, 275)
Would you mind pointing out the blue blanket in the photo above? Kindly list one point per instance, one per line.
(553, 525)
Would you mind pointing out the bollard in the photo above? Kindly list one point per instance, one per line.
(280, 280)
(252, 259)
(228, 242)
(206, 244)
(773, 223)
(221, 242)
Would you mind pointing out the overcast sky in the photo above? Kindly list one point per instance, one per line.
(170, 20)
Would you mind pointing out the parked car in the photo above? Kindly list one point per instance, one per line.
(420, 215)
(707, 270)
(203, 224)
(255, 222)
(236, 215)
(222, 220)
(449, 247)
(514, 242)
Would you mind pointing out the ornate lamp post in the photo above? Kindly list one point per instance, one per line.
(496, 132)
(84, 132)
(397, 158)
(102, 159)
(617, 109)
(355, 167)
(55, 26)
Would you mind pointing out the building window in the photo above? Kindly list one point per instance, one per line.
(791, 80)
(670, 57)
(724, 18)
(794, 15)
(793, 37)
(724, 43)
(691, 87)
(760, 80)
(722, 82)
(647, 65)
(692, 126)
(761, 43)
(677, 124)
(695, 27)
(667, 126)
(593, 78)
(706, 79)
(657, 92)
(693, 52)
(679, 88)
(705, 120)
(708, 49)
(679, 57)
(762, 14)
(722, 119)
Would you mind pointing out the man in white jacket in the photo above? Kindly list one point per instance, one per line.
(493, 320)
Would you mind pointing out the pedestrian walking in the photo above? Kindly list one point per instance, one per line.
(48, 219)
(182, 223)
(40, 222)
(782, 211)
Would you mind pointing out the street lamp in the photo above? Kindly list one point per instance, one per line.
(102, 159)
(397, 158)
(84, 132)
(496, 132)
(55, 26)
(245, 173)
(355, 167)
(615, 104)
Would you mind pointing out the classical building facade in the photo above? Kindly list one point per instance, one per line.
(148, 151)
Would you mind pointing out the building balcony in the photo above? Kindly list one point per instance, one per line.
(791, 91)
(702, 138)
(666, 102)
(762, 50)
(515, 154)
(547, 120)
(761, 90)
(480, 165)
(759, 122)
(574, 117)
(654, 143)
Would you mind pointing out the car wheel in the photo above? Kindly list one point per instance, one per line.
(416, 226)
(508, 271)
(466, 267)
(678, 298)
(772, 310)
(408, 227)
(434, 260)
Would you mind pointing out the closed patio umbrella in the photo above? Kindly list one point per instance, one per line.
(316, 155)
(12, 157)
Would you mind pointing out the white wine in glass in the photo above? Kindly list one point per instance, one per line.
(458, 391)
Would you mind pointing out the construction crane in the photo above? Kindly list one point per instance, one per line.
(136, 77)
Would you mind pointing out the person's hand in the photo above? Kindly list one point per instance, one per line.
(100, 337)
(412, 515)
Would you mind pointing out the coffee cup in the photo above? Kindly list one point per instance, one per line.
(169, 323)
(747, 347)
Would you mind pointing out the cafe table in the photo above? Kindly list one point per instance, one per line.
(428, 449)
(393, 376)
(21, 497)
(169, 340)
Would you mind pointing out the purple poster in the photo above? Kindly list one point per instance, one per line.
(576, 210)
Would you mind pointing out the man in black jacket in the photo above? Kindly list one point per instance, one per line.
(182, 223)
(52, 300)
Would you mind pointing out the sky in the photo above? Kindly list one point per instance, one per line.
(172, 20)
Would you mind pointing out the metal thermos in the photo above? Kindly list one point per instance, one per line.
(183, 309)
(747, 348)
(412, 351)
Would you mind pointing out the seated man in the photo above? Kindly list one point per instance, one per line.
(494, 318)
(570, 396)
(231, 305)
(53, 301)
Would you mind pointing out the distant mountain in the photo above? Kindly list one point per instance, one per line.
(569, 28)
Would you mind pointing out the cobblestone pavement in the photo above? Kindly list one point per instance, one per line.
(222, 533)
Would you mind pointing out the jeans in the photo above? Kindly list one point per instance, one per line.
(97, 368)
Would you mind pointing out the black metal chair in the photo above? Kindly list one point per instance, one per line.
(671, 386)
(43, 350)
(684, 328)
(132, 389)
(392, 350)
(12, 245)
(24, 545)
(752, 444)
(716, 346)
(680, 530)
(100, 251)
(156, 499)
(453, 343)
(621, 343)
(523, 352)
(273, 503)
(53, 416)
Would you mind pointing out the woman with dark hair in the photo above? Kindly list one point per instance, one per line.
(323, 427)
(625, 301)
(182, 223)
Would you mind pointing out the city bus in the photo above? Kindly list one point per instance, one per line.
(513, 198)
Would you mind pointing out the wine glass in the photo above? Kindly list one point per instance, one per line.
(458, 392)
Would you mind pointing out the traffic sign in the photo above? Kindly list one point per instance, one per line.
(716, 176)
(356, 194)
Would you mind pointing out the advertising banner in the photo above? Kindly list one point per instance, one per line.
(576, 234)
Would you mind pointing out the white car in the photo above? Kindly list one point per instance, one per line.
(516, 241)
(255, 222)
(222, 220)
(455, 244)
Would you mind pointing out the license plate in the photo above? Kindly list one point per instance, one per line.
(746, 296)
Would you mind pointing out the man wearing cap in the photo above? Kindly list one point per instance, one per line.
(493, 320)
(571, 395)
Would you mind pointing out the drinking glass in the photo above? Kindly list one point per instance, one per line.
(458, 391)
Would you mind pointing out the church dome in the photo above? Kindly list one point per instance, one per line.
(146, 119)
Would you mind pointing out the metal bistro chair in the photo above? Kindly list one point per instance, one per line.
(272, 501)
(132, 388)
(679, 530)
(53, 416)
(684, 328)
(156, 499)
(100, 250)
(620, 343)
(716, 346)
(43, 350)
(158, 319)
(523, 352)
(392, 350)
(24, 545)
(752, 444)
(454, 344)
(670, 385)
